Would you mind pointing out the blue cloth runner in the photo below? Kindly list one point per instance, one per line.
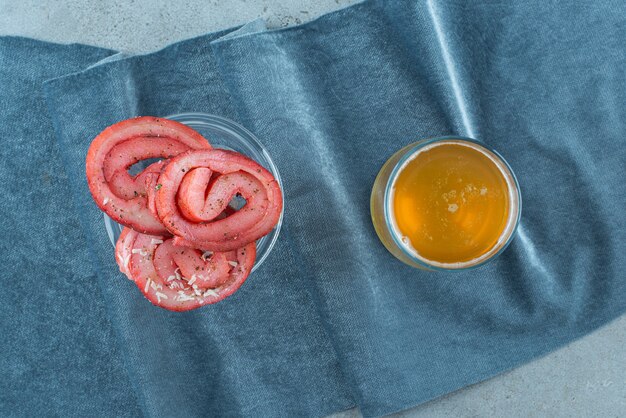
(59, 351)
(331, 319)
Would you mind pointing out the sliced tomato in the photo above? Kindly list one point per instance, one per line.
(120, 195)
(196, 187)
(123, 250)
(182, 278)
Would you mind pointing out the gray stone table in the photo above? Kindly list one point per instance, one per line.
(585, 379)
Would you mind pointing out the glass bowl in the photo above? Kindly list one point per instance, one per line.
(225, 134)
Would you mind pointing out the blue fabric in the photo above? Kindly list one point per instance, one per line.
(331, 319)
(262, 352)
(59, 351)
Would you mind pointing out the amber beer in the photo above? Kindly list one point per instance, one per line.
(445, 203)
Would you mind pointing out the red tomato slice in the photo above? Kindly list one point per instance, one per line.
(182, 278)
(124, 197)
(196, 186)
(123, 250)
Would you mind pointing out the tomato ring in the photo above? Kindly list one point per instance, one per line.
(182, 278)
(124, 197)
(195, 188)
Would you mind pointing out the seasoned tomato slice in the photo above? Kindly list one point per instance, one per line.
(181, 278)
(195, 187)
(121, 195)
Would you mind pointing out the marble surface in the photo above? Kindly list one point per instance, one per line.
(586, 378)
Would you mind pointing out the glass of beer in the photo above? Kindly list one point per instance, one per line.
(446, 203)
